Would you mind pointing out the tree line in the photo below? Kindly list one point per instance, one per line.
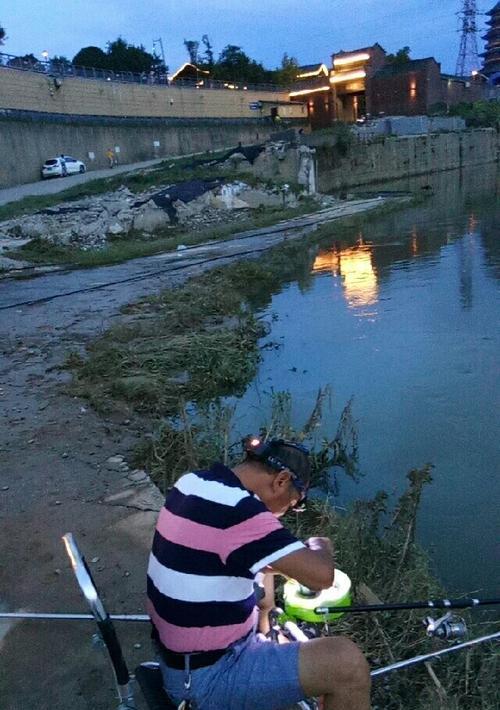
(232, 64)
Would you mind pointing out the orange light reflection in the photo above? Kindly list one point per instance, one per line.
(354, 266)
(414, 241)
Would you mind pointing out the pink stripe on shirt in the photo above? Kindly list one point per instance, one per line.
(182, 639)
(195, 535)
(209, 539)
(255, 528)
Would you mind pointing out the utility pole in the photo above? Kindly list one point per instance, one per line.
(468, 55)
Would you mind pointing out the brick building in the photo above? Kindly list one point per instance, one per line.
(350, 79)
(313, 86)
(363, 81)
(417, 87)
(408, 89)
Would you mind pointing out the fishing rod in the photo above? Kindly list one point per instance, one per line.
(47, 616)
(465, 603)
(143, 617)
(148, 674)
(435, 654)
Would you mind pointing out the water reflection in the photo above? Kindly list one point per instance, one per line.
(466, 265)
(354, 266)
(423, 373)
(361, 269)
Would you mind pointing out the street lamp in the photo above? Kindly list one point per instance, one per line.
(475, 73)
(490, 93)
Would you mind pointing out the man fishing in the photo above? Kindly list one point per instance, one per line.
(217, 530)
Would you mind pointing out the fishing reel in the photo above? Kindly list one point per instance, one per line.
(446, 628)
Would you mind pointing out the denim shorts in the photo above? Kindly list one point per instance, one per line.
(252, 675)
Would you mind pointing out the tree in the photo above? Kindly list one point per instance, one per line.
(192, 49)
(480, 114)
(127, 57)
(27, 61)
(120, 56)
(60, 64)
(402, 56)
(288, 71)
(60, 60)
(3, 35)
(233, 64)
(208, 55)
(91, 57)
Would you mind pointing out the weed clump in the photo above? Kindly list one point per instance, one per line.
(152, 369)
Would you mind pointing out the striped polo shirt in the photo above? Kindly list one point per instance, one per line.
(211, 539)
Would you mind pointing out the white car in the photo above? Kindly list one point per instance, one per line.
(64, 165)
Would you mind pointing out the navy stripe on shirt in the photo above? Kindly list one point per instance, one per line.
(206, 512)
(196, 614)
(246, 555)
(185, 559)
(222, 474)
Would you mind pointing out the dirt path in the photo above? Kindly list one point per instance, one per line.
(54, 185)
(54, 477)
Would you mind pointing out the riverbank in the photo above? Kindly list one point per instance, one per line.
(64, 478)
(386, 158)
(175, 204)
(57, 477)
(135, 370)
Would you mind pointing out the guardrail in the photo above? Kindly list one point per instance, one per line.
(152, 78)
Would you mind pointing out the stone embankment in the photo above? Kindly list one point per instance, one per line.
(396, 157)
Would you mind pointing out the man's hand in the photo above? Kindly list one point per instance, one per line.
(267, 602)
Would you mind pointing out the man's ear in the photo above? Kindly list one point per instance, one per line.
(281, 480)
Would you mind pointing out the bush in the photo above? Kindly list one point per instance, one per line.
(480, 114)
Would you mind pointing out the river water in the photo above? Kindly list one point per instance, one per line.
(403, 315)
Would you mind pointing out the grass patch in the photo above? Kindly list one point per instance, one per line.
(194, 342)
(39, 251)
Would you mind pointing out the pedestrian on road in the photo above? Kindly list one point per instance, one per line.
(110, 155)
(64, 167)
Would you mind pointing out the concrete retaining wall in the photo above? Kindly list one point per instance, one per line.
(397, 157)
(25, 145)
(409, 126)
(40, 119)
(29, 91)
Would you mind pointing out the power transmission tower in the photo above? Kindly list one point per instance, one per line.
(159, 43)
(468, 55)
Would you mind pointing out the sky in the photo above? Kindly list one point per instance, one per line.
(310, 30)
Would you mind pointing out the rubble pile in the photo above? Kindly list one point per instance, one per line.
(90, 223)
